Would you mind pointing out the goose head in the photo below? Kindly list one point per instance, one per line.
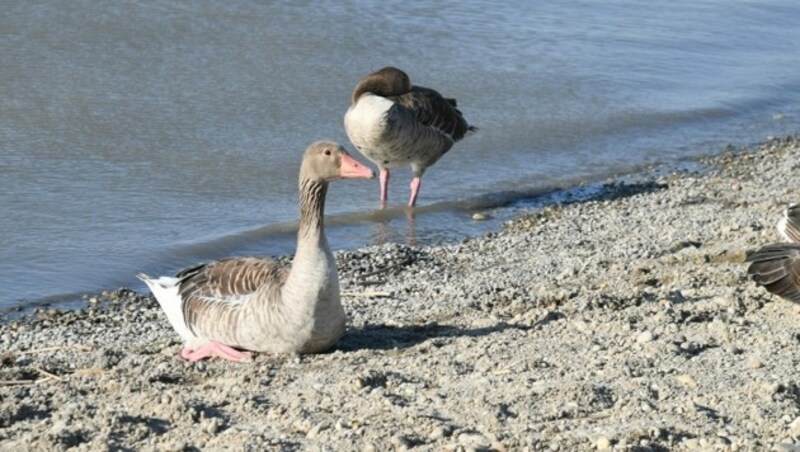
(325, 161)
(388, 81)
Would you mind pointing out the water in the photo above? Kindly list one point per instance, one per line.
(147, 136)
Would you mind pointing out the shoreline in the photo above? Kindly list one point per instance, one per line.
(621, 320)
(494, 209)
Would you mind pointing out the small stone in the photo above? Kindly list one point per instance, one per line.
(341, 424)
(691, 444)
(212, 426)
(794, 427)
(644, 336)
(603, 443)
(474, 439)
(439, 432)
(58, 427)
(734, 350)
(315, 430)
(400, 441)
(771, 388)
(755, 362)
(687, 380)
(478, 216)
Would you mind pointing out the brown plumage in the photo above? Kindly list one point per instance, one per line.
(396, 124)
(433, 110)
(234, 280)
(777, 266)
(251, 303)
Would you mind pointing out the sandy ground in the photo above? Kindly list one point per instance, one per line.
(622, 321)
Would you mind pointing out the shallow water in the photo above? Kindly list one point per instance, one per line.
(146, 136)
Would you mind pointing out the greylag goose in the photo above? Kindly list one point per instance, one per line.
(777, 266)
(233, 306)
(395, 124)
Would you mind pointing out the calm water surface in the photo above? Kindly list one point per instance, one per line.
(147, 136)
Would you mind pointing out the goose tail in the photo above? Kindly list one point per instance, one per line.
(166, 292)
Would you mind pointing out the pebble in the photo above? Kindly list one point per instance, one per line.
(644, 336)
(315, 430)
(479, 216)
(212, 425)
(473, 439)
(603, 443)
(687, 380)
(794, 427)
(400, 441)
(439, 432)
(755, 362)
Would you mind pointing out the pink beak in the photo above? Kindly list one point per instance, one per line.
(351, 169)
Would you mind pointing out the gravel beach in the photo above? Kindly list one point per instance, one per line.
(621, 321)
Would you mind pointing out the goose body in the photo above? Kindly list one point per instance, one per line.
(231, 306)
(777, 266)
(395, 124)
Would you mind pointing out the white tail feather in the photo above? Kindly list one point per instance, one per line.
(165, 290)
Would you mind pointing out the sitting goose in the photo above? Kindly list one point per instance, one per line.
(777, 266)
(256, 304)
(395, 124)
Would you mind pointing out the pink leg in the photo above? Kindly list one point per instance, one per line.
(215, 348)
(415, 184)
(384, 178)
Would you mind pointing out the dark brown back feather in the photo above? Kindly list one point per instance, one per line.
(777, 268)
(432, 109)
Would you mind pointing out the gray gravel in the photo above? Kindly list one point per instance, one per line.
(624, 321)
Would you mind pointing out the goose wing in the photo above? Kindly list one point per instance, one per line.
(433, 110)
(789, 225)
(212, 293)
(777, 268)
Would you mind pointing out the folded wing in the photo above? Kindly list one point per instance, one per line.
(433, 110)
(213, 293)
(777, 268)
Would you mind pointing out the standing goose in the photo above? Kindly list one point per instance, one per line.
(777, 266)
(227, 307)
(395, 124)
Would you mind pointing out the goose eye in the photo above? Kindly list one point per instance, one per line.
(327, 152)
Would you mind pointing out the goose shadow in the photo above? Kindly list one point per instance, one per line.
(389, 337)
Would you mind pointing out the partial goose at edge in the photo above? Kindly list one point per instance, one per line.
(777, 266)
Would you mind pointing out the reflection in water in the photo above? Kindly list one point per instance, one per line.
(387, 228)
(411, 227)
